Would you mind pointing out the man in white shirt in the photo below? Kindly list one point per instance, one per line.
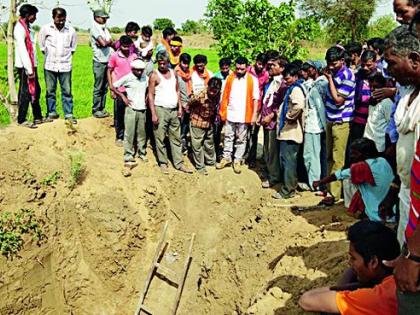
(26, 63)
(58, 43)
(239, 109)
(200, 75)
(101, 43)
(135, 84)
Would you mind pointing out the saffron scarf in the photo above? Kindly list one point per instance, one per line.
(30, 49)
(186, 76)
(205, 75)
(285, 107)
(174, 60)
(249, 98)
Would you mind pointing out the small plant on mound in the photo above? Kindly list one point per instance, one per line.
(52, 179)
(13, 227)
(77, 169)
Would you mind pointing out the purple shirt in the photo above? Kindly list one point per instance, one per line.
(277, 99)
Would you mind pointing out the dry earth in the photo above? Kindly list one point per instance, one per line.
(252, 255)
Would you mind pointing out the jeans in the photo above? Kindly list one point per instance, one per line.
(100, 86)
(288, 167)
(24, 98)
(168, 125)
(119, 112)
(271, 156)
(64, 78)
(253, 143)
(315, 156)
(185, 128)
(202, 144)
(135, 127)
(235, 136)
(217, 136)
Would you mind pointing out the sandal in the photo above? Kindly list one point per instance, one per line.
(43, 120)
(328, 201)
(28, 124)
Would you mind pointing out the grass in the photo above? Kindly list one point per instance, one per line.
(82, 78)
(77, 169)
(13, 228)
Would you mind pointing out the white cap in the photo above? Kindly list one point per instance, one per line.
(138, 64)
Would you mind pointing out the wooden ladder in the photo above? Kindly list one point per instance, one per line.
(158, 269)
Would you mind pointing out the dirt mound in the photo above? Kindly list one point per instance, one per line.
(251, 256)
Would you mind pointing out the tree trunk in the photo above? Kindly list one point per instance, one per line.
(12, 105)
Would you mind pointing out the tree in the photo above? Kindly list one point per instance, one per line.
(247, 28)
(344, 19)
(193, 27)
(105, 5)
(382, 26)
(162, 23)
(116, 30)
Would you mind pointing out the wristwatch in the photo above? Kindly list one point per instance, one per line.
(406, 253)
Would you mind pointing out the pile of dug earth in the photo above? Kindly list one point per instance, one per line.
(252, 255)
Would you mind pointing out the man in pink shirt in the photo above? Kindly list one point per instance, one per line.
(119, 66)
(258, 70)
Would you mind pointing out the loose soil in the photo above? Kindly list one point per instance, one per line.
(252, 254)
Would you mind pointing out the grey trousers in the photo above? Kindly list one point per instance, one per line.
(271, 156)
(100, 86)
(169, 124)
(202, 143)
(288, 167)
(135, 127)
(235, 137)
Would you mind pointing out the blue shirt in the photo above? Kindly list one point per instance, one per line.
(373, 195)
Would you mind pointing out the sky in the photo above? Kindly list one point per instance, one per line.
(143, 11)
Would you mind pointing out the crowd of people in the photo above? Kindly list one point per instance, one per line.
(347, 126)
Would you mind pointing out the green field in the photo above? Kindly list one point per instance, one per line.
(82, 80)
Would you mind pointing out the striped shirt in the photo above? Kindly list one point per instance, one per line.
(345, 82)
(361, 100)
(413, 218)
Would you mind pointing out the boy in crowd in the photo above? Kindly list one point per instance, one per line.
(222, 74)
(290, 131)
(238, 109)
(379, 114)
(131, 30)
(405, 10)
(135, 84)
(314, 148)
(183, 73)
(355, 51)
(259, 71)
(144, 43)
(224, 69)
(175, 51)
(339, 110)
(119, 66)
(26, 64)
(275, 90)
(167, 35)
(370, 244)
(372, 175)
(101, 43)
(200, 75)
(203, 108)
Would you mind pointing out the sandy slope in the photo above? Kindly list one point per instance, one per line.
(252, 254)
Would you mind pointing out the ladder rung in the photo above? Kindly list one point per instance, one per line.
(166, 271)
(144, 308)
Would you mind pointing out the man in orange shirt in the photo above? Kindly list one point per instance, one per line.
(370, 244)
